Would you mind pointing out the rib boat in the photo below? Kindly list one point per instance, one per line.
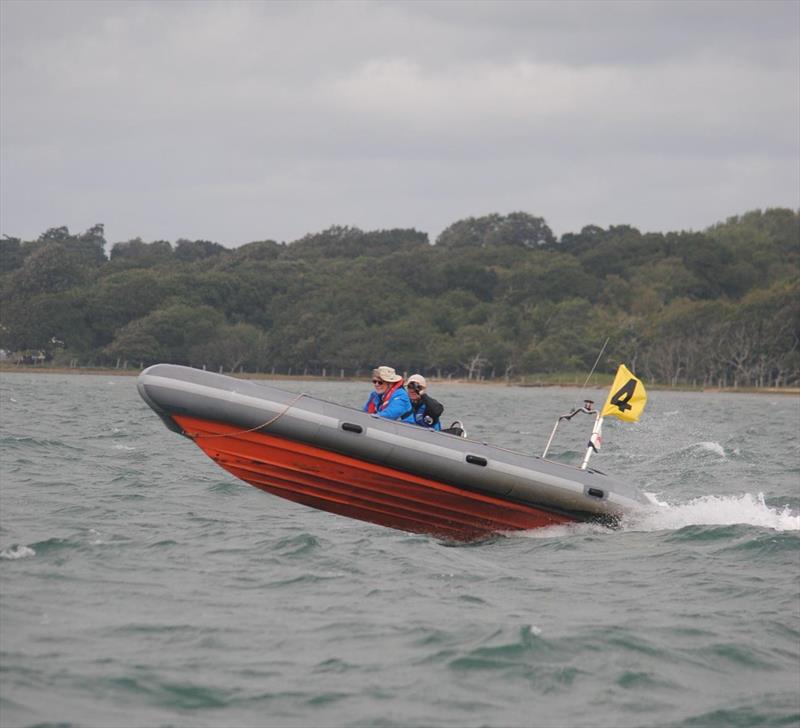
(351, 463)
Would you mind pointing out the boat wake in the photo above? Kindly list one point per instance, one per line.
(713, 510)
(709, 510)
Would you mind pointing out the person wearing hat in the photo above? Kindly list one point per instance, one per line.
(389, 399)
(425, 410)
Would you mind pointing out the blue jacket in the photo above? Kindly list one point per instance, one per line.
(419, 418)
(399, 405)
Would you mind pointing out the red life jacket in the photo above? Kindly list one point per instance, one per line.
(385, 399)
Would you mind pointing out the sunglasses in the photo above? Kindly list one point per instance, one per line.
(378, 381)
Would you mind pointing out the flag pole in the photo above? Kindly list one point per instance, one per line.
(595, 439)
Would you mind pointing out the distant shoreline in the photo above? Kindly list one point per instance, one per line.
(33, 369)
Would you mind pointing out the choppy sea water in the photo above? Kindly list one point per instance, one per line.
(141, 585)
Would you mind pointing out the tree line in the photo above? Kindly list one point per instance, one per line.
(494, 296)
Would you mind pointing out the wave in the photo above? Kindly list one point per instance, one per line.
(706, 449)
(708, 510)
(711, 447)
(40, 548)
(17, 552)
(21, 442)
(713, 510)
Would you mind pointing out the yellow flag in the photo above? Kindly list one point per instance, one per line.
(627, 397)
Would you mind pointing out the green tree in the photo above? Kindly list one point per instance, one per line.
(11, 255)
(494, 296)
(58, 262)
(519, 229)
(232, 347)
(190, 251)
(260, 250)
(547, 276)
(38, 322)
(117, 299)
(50, 269)
(349, 242)
(167, 335)
(761, 337)
(136, 253)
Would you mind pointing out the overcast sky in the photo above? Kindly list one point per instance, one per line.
(242, 121)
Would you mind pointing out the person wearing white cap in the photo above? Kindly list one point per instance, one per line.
(425, 410)
(389, 399)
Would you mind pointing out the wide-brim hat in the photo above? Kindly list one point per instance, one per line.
(386, 374)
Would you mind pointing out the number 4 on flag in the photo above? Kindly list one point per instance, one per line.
(627, 397)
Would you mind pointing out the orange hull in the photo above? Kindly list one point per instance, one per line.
(358, 489)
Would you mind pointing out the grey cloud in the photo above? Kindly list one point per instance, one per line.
(239, 121)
